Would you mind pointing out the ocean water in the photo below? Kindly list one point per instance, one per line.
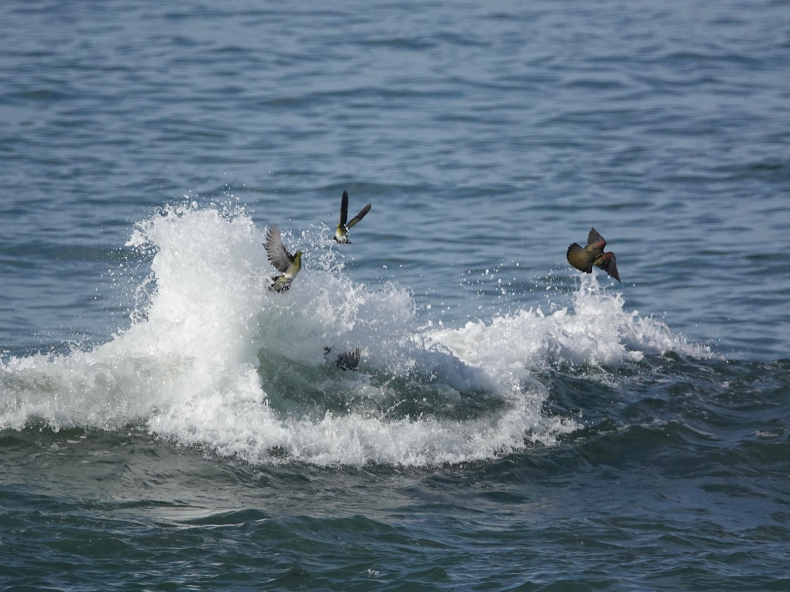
(167, 423)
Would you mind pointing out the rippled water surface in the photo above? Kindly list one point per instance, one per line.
(168, 423)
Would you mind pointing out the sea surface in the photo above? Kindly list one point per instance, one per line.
(167, 423)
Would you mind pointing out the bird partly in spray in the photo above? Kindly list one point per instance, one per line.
(288, 265)
(341, 233)
(583, 258)
(349, 360)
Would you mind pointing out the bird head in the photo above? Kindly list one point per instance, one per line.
(298, 258)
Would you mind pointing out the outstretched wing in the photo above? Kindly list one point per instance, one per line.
(278, 256)
(344, 208)
(608, 263)
(348, 360)
(359, 216)
(596, 240)
(579, 258)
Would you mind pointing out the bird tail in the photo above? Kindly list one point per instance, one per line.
(579, 258)
(280, 283)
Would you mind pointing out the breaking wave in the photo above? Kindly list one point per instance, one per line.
(213, 359)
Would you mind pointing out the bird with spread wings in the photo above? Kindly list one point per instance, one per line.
(583, 258)
(341, 233)
(288, 265)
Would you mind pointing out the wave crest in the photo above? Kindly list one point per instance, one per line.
(213, 359)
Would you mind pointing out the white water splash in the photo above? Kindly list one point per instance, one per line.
(217, 360)
(597, 332)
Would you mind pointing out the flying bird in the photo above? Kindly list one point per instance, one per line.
(349, 360)
(341, 234)
(289, 265)
(584, 258)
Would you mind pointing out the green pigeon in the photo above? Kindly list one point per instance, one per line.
(289, 265)
(341, 234)
(584, 258)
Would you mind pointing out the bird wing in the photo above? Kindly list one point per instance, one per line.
(278, 256)
(579, 258)
(596, 241)
(349, 360)
(609, 264)
(359, 216)
(344, 208)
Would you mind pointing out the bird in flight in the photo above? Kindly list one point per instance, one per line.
(341, 234)
(288, 265)
(583, 258)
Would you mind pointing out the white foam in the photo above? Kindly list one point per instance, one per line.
(599, 331)
(210, 341)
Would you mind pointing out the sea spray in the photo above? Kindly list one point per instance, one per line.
(598, 331)
(213, 359)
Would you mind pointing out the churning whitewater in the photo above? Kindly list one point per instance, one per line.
(213, 359)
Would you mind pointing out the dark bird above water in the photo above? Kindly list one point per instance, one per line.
(289, 265)
(584, 258)
(341, 234)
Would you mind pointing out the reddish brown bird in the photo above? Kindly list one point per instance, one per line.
(584, 258)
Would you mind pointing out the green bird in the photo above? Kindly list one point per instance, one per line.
(289, 265)
(341, 234)
(584, 258)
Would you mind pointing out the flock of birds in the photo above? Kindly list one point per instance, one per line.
(582, 258)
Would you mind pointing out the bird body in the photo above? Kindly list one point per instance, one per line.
(289, 265)
(583, 258)
(341, 233)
